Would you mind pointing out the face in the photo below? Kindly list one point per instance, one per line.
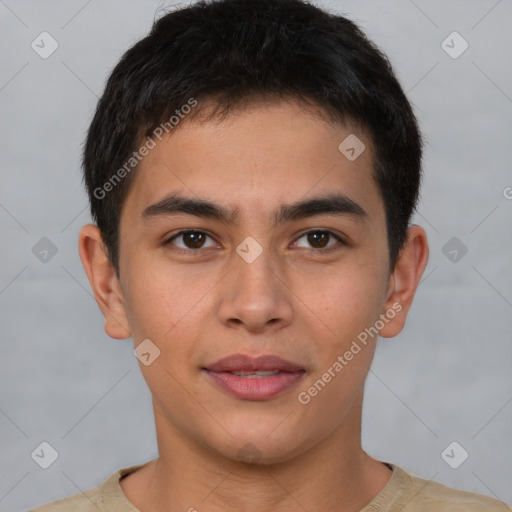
(256, 236)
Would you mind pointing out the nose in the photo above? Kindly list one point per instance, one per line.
(255, 296)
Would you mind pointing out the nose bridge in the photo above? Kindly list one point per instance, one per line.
(253, 293)
(255, 268)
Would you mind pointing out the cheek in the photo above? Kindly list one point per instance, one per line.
(162, 305)
(156, 299)
(346, 301)
(349, 304)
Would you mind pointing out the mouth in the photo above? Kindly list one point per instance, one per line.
(250, 378)
(257, 374)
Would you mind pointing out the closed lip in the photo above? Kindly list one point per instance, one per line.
(245, 363)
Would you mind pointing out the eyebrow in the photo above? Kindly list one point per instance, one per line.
(330, 204)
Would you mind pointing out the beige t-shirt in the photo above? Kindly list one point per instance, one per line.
(404, 492)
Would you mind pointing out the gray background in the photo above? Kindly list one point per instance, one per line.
(445, 378)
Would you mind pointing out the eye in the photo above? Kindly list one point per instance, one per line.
(319, 239)
(190, 240)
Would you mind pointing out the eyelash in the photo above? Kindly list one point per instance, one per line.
(194, 252)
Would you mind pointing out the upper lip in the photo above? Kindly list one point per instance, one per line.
(244, 363)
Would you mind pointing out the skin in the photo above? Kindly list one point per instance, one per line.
(294, 301)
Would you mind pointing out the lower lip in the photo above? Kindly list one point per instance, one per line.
(256, 388)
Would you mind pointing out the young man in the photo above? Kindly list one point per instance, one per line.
(252, 169)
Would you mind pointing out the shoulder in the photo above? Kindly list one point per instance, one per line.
(429, 495)
(107, 497)
(89, 501)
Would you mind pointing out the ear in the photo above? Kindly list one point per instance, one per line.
(104, 281)
(404, 280)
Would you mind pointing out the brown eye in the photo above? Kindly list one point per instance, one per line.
(319, 239)
(194, 239)
(190, 240)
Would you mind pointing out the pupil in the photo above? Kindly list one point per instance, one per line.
(318, 238)
(194, 239)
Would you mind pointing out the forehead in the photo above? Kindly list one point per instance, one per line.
(258, 158)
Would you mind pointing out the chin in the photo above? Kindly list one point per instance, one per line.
(260, 449)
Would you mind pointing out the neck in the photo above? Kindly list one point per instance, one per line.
(335, 474)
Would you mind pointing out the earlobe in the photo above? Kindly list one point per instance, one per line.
(103, 281)
(405, 279)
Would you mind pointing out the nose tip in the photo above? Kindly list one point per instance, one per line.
(253, 295)
(254, 321)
